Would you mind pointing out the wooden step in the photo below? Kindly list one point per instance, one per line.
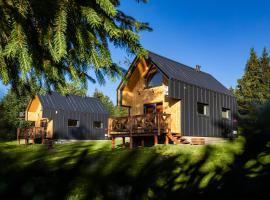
(197, 141)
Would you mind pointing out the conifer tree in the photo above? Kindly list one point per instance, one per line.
(50, 42)
(114, 111)
(250, 87)
(265, 65)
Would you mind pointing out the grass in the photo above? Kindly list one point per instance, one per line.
(91, 170)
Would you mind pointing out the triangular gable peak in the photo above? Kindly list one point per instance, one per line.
(34, 109)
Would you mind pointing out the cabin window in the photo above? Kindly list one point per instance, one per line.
(226, 113)
(73, 123)
(98, 124)
(154, 79)
(203, 109)
(153, 108)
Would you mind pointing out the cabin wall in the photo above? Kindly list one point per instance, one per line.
(84, 131)
(192, 123)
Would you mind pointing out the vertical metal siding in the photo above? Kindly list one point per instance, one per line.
(191, 123)
(85, 131)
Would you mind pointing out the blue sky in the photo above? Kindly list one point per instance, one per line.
(214, 34)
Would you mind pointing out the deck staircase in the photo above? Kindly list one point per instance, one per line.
(177, 139)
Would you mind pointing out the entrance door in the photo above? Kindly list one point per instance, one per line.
(153, 108)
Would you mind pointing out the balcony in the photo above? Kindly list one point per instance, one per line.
(140, 125)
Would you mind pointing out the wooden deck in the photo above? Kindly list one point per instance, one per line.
(149, 125)
(32, 133)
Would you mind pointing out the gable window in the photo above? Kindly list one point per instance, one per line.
(154, 79)
(98, 124)
(226, 113)
(203, 109)
(73, 123)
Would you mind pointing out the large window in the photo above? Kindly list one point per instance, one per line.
(226, 113)
(154, 79)
(73, 123)
(203, 109)
(98, 124)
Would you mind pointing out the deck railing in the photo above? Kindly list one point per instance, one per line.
(31, 134)
(158, 123)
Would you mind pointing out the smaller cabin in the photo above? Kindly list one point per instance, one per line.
(68, 117)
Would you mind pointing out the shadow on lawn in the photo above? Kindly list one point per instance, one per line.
(141, 173)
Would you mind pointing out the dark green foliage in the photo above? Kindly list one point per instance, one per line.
(254, 87)
(75, 89)
(107, 102)
(11, 106)
(49, 42)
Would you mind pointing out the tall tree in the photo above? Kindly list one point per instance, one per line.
(12, 104)
(107, 102)
(50, 42)
(251, 87)
(265, 65)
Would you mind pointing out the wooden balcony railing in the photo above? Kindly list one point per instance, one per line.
(140, 124)
(31, 134)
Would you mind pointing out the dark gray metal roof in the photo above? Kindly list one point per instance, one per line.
(74, 103)
(178, 71)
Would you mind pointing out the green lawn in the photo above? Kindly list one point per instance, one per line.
(91, 170)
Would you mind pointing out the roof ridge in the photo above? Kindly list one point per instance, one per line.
(184, 65)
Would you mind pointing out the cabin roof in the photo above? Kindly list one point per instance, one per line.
(74, 103)
(181, 72)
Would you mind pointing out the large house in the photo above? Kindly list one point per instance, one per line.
(68, 117)
(198, 104)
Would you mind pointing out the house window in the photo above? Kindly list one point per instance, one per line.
(154, 79)
(153, 108)
(226, 113)
(98, 124)
(203, 109)
(73, 123)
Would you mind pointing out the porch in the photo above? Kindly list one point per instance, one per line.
(32, 133)
(155, 125)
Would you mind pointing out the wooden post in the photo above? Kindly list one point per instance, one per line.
(142, 142)
(124, 141)
(32, 135)
(130, 142)
(25, 132)
(155, 139)
(18, 135)
(113, 143)
(158, 122)
(166, 140)
(42, 135)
